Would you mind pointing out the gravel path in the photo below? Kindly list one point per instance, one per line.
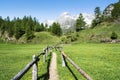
(53, 68)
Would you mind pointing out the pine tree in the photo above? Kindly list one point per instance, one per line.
(97, 12)
(56, 29)
(98, 17)
(80, 23)
(37, 27)
(116, 11)
(29, 32)
(17, 30)
(42, 28)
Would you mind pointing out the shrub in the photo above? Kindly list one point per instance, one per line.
(114, 35)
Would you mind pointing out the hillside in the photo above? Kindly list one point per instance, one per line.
(100, 32)
(42, 38)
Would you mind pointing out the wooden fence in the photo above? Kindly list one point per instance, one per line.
(82, 72)
(34, 64)
(35, 60)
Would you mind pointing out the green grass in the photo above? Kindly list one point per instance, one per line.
(100, 61)
(14, 57)
(100, 32)
(42, 38)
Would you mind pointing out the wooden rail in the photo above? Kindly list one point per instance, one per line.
(33, 63)
(82, 72)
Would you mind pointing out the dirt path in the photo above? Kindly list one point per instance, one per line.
(53, 68)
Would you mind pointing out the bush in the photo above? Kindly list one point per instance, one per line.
(114, 36)
(68, 38)
(65, 40)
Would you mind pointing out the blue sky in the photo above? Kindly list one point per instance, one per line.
(49, 9)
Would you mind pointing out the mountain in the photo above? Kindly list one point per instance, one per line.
(49, 22)
(67, 21)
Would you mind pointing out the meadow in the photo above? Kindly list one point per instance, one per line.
(100, 61)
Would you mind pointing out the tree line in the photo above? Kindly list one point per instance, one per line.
(100, 17)
(27, 25)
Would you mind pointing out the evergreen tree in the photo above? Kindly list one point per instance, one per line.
(98, 17)
(42, 28)
(3, 28)
(116, 11)
(1, 21)
(17, 30)
(97, 12)
(56, 29)
(37, 27)
(46, 27)
(29, 32)
(80, 23)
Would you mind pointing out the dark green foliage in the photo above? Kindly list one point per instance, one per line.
(69, 37)
(97, 12)
(29, 32)
(18, 27)
(94, 23)
(116, 11)
(1, 22)
(37, 27)
(56, 29)
(17, 30)
(42, 28)
(2, 28)
(98, 17)
(114, 35)
(46, 27)
(80, 23)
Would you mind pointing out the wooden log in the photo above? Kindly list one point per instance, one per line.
(35, 69)
(82, 72)
(23, 71)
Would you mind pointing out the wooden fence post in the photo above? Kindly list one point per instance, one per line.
(35, 69)
(44, 58)
(44, 55)
(63, 61)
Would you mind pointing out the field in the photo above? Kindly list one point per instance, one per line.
(100, 61)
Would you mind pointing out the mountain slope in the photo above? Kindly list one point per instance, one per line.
(42, 38)
(100, 32)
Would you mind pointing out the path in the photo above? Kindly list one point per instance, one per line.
(53, 68)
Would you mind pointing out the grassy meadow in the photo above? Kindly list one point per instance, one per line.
(14, 57)
(100, 61)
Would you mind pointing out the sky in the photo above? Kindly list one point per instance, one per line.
(49, 9)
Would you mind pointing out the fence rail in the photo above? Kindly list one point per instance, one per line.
(33, 63)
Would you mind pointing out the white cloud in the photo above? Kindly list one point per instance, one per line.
(88, 18)
(49, 22)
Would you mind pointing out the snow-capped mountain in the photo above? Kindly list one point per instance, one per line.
(48, 22)
(67, 21)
